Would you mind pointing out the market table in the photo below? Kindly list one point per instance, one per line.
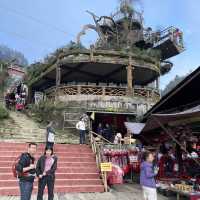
(191, 195)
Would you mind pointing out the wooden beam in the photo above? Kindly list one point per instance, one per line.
(173, 138)
(130, 78)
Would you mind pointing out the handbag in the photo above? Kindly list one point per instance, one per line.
(51, 137)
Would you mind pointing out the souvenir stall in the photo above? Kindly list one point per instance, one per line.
(175, 137)
(124, 159)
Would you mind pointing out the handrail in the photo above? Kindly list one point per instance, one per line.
(101, 137)
(96, 148)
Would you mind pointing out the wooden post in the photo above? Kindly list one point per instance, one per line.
(130, 78)
(79, 89)
(92, 53)
(58, 75)
(103, 91)
(158, 83)
(58, 80)
(105, 182)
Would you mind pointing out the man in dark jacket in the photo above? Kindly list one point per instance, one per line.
(26, 170)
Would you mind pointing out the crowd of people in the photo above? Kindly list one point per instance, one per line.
(16, 97)
(105, 131)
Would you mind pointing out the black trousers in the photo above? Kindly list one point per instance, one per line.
(49, 144)
(49, 181)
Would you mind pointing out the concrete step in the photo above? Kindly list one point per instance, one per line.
(14, 191)
(9, 176)
(61, 164)
(76, 172)
(61, 182)
(63, 146)
(61, 154)
(86, 169)
(57, 149)
(60, 159)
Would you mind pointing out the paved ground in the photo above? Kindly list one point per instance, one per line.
(125, 192)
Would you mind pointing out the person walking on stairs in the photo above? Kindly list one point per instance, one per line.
(26, 171)
(50, 134)
(82, 129)
(45, 169)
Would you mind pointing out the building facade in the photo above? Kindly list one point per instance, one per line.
(118, 76)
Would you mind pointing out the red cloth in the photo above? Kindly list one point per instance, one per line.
(195, 197)
(115, 176)
(19, 106)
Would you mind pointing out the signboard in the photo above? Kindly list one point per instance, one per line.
(106, 167)
(133, 158)
(113, 106)
(39, 96)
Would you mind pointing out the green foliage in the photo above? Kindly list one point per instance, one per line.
(126, 7)
(172, 84)
(35, 69)
(73, 46)
(3, 76)
(151, 53)
(45, 111)
(7, 54)
(3, 113)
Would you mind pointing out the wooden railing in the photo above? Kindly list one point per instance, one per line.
(102, 91)
(96, 142)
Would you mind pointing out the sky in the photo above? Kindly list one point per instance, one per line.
(37, 27)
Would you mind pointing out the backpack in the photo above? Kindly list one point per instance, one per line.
(17, 174)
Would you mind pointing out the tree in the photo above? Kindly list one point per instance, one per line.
(7, 54)
(3, 76)
(172, 84)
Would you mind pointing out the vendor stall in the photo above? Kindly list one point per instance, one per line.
(175, 137)
(124, 159)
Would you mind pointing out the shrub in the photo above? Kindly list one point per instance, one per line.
(3, 113)
(46, 111)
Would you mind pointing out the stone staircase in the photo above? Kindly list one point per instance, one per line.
(20, 128)
(77, 170)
